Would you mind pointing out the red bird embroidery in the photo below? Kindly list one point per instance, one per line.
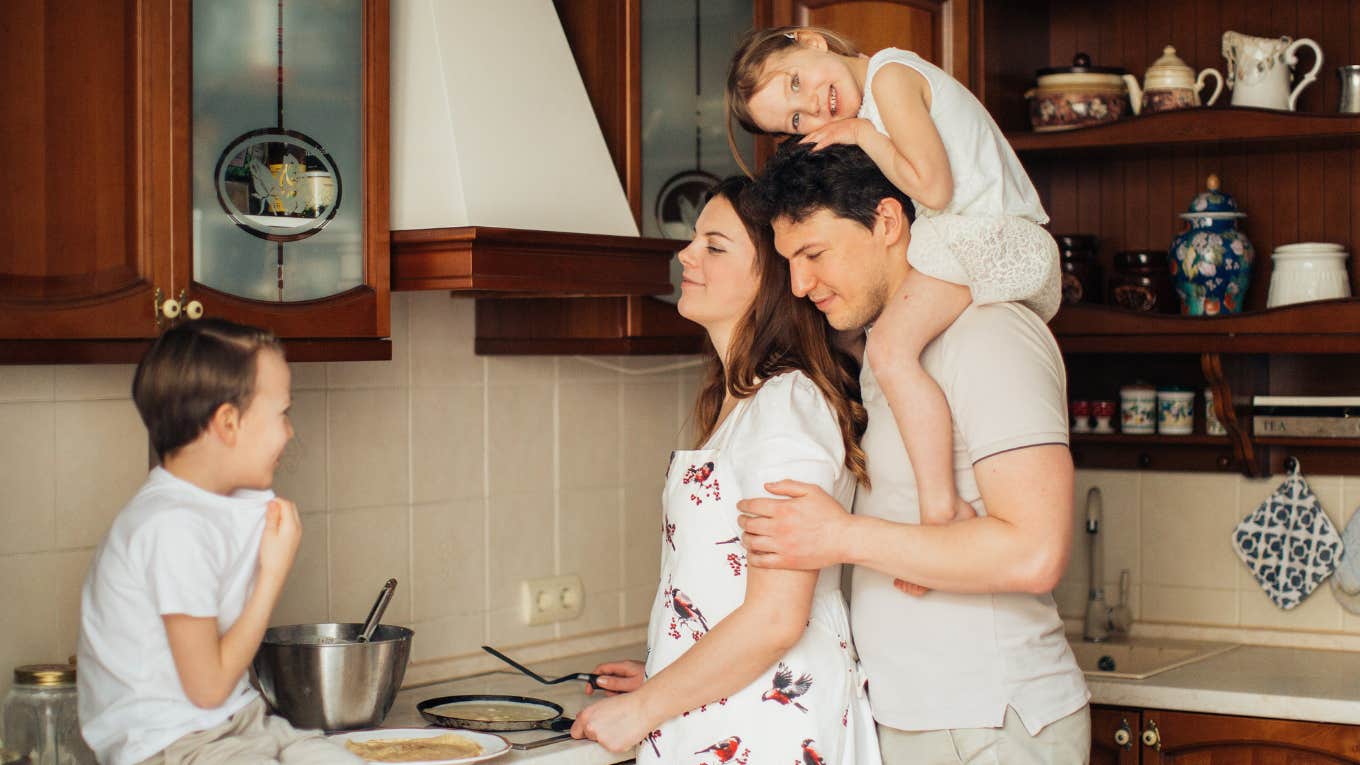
(698, 474)
(785, 690)
(724, 750)
(685, 609)
(810, 756)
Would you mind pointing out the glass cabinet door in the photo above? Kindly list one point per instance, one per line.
(277, 136)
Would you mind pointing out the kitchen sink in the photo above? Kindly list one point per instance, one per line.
(1140, 658)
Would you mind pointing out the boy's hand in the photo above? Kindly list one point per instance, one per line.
(845, 131)
(282, 533)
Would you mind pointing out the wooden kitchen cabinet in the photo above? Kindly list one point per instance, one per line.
(1162, 737)
(101, 223)
(1292, 173)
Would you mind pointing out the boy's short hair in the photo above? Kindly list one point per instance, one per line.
(797, 182)
(190, 371)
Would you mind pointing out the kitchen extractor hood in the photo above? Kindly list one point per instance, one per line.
(502, 184)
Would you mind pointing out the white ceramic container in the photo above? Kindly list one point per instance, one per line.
(1175, 412)
(1308, 271)
(1138, 409)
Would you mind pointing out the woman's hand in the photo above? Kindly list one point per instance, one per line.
(845, 131)
(617, 724)
(617, 677)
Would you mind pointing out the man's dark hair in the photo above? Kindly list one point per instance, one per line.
(797, 182)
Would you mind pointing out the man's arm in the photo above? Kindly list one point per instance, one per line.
(1021, 545)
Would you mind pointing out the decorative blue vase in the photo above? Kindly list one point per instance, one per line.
(1211, 261)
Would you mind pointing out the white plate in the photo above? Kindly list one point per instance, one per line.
(491, 744)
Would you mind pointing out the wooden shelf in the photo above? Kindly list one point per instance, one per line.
(504, 262)
(1152, 439)
(1188, 127)
(613, 326)
(1323, 327)
(132, 351)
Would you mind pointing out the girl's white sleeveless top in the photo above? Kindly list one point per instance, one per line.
(988, 177)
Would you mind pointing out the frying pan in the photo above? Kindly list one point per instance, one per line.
(555, 723)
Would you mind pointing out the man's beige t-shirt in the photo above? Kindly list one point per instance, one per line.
(948, 660)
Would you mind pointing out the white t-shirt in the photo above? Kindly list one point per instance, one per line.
(174, 549)
(988, 177)
(949, 660)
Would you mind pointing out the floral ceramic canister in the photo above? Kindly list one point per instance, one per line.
(1211, 261)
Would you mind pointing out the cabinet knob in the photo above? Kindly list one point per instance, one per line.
(1151, 736)
(194, 310)
(1144, 460)
(170, 308)
(1123, 738)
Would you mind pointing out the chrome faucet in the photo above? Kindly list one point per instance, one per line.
(1097, 627)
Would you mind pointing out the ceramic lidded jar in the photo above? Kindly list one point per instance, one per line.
(1082, 94)
(1211, 261)
(1170, 84)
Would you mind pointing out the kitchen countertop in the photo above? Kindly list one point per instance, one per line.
(570, 695)
(1256, 681)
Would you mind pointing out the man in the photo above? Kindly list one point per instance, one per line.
(977, 669)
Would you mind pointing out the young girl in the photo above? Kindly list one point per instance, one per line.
(976, 237)
(746, 664)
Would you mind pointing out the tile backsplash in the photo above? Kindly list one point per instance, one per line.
(463, 475)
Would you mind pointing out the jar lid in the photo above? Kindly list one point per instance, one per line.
(1140, 259)
(1137, 387)
(1212, 201)
(1175, 389)
(1081, 64)
(45, 674)
(1169, 71)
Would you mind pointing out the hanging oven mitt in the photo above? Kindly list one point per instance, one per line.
(1288, 542)
(1347, 575)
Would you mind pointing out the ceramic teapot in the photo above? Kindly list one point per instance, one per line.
(1259, 69)
(1170, 83)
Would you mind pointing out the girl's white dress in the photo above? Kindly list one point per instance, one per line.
(810, 706)
(989, 237)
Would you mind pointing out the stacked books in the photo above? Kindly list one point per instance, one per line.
(1306, 416)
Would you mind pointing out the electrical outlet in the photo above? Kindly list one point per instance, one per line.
(554, 599)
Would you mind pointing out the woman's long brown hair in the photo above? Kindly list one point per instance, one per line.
(779, 333)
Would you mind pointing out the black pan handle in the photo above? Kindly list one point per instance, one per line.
(560, 724)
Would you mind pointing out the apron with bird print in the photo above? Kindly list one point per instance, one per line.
(810, 706)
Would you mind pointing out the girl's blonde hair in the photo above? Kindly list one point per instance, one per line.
(748, 63)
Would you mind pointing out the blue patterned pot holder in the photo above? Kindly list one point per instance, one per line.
(1288, 542)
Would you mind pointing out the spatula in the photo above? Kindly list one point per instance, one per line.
(585, 676)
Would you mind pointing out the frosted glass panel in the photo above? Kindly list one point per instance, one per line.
(277, 147)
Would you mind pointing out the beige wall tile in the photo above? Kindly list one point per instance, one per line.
(591, 525)
(367, 548)
(520, 370)
(31, 585)
(448, 559)
(685, 427)
(507, 628)
(637, 604)
(306, 597)
(26, 383)
(602, 611)
(521, 547)
(308, 376)
(393, 373)
(367, 448)
(590, 369)
(442, 333)
(70, 569)
(1318, 611)
(1187, 522)
(85, 382)
(101, 461)
(520, 421)
(27, 478)
(448, 451)
(589, 449)
(642, 538)
(1188, 605)
(301, 476)
(650, 428)
(1071, 599)
(456, 635)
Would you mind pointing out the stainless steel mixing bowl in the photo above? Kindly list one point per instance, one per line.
(319, 676)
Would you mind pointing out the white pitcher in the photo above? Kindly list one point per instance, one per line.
(1259, 69)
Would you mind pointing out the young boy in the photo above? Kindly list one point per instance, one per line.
(181, 589)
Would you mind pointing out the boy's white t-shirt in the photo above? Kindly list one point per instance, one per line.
(988, 176)
(174, 549)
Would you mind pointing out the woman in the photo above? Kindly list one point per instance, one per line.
(747, 665)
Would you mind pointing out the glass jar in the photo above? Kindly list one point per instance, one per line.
(1080, 268)
(1142, 282)
(40, 716)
